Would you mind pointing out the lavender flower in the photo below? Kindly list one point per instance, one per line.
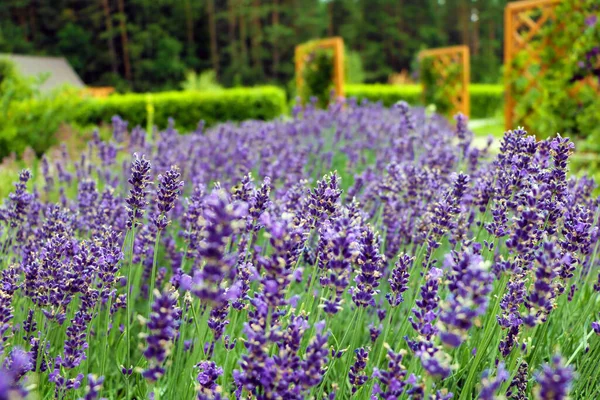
(162, 328)
(323, 200)
(93, 388)
(208, 373)
(169, 188)
(399, 279)
(139, 180)
(312, 367)
(469, 284)
(222, 220)
(356, 374)
(490, 385)
(370, 262)
(426, 311)
(14, 367)
(339, 247)
(392, 381)
(19, 201)
(554, 380)
(540, 300)
(518, 386)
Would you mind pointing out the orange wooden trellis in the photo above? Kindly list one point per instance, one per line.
(335, 43)
(457, 92)
(523, 21)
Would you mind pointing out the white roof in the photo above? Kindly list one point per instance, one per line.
(59, 70)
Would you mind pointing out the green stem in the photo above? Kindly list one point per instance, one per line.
(313, 279)
(226, 365)
(355, 342)
(490, 330)
(385, 335)
(153, 276)
(128, 306)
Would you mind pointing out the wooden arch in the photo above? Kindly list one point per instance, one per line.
(334, 43)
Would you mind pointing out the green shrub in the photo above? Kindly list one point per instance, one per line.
(354, 71)
(435, 94)
(486, 99)
(387, 94)
(205, 81)
(318, 76)
(188, 108)
(13, 86)
(29, 118)
(33, 122)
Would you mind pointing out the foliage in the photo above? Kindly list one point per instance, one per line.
(387, 94)
(486, 100)
(34, 122)
(14, 86)
(433, 92)
(230, 262)
(254, 39)
(354, 73)
(188, 108)
(28, 118)
(317, 76)
(566, 96)
(205, 81)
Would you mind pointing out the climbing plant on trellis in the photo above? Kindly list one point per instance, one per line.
(545, 87)
(445, 78)
(524, 41)
(304, 53)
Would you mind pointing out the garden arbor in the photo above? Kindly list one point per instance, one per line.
(334, 43)
(445, 75)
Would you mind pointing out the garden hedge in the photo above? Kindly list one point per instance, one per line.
(188, 108)
(486, 99)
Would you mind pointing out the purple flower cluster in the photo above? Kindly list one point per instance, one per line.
(554, 380)
(469, 286)
(357, 375)
(222, 219)
(169, 188)
(139, 180)
(162, 328)
(370, 264)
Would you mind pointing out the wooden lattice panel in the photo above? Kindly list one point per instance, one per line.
(523, 22)
(334, 43)
(456, 91)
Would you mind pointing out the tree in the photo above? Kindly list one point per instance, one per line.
(124, 40)
(214, 51)
(109, 35)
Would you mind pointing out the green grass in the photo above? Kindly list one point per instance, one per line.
(489, 126)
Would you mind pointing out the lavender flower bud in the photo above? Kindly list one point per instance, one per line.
(139, 181)
(169, 189)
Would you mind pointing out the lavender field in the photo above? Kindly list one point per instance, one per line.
(356, 252)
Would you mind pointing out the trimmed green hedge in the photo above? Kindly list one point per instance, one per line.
(486, 99)
(188, 108)
(387, 94)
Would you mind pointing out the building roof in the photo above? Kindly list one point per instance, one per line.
(59, 70)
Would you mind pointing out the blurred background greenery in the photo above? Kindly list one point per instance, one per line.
(152, 45)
